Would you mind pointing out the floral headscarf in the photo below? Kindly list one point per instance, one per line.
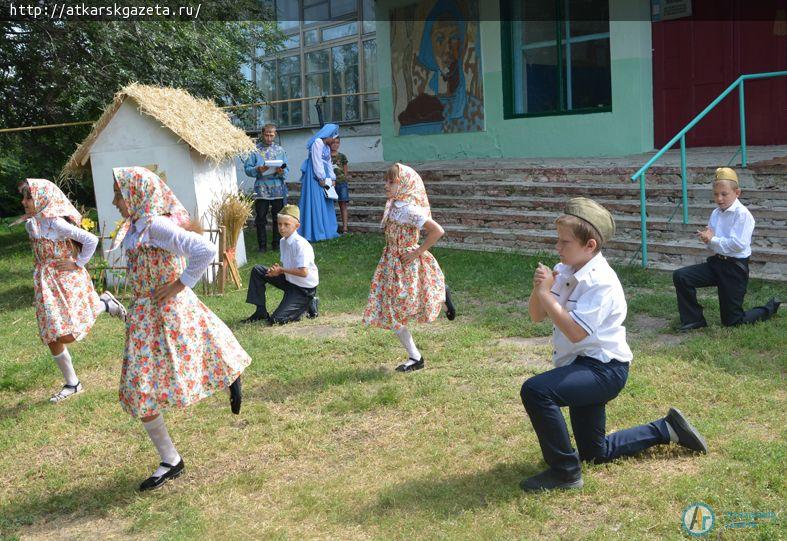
(146, 196)
(50, 201)
(411, 190)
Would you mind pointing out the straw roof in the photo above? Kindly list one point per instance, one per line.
(198, 122)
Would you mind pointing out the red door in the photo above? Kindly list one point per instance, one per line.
(696, 58)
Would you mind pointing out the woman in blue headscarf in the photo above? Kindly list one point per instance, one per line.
(318, 217)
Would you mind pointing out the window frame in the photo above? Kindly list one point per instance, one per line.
(561, 25)
(359, 38)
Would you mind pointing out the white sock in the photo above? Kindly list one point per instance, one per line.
(63, 362)
(157, 431)
(102, 307)
(407, 341)
(673, 436)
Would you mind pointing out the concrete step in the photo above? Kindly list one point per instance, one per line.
(769, 177)
(658, 228)
(696, 194)
(774, 216)
(768, 263)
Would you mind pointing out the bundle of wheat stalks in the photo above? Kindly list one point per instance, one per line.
(231, 211)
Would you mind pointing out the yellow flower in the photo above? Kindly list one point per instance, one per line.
(88, 224)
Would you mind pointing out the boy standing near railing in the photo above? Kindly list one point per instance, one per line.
(728, 235)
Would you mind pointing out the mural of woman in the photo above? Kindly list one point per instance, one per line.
(445, 105)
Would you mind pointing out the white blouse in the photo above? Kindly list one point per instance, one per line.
(61, 229)
(408, 214)
(318, 163)
(165, 234)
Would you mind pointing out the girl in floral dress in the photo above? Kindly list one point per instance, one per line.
(177, 351)
(408, 284)
(66, 303)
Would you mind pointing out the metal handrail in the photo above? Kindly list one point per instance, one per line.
(681, 135)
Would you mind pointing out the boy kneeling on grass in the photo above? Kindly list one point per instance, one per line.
(297, 275)
(585, 301)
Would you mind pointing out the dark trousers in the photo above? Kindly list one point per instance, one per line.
(261, 207)
(296, 299)
(731, 276)
(585, 386)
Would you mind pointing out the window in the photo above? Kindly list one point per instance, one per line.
(317, 80)
(344, 75)
(315, 11)
(266, 82)
(556, 57)
(319, 58)
(371, 102)
(290, 114)
(368, 16)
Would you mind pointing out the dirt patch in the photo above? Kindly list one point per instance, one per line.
(323, 327)
(646, 323)
(65, 528)
(519, 342)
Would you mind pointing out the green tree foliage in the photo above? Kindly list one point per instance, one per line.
(65, 71)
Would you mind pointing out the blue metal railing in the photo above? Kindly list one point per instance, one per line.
(681, 135)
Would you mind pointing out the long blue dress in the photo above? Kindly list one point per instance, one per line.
(318, 217)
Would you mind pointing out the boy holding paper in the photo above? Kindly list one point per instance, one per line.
(269, 167)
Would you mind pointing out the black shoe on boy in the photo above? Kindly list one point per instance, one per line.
(549, 480)
(259, 315)
(314, 308)
(686, 434)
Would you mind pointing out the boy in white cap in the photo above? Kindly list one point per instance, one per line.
(728, 235)
(297, 275)
(585, 301)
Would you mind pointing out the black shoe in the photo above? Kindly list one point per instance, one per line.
(411, 366)
(255, 317)
(236, 396)
(450, 312)
(692, 326)
(313, 310)
(549, 480)
(688, 436)
(154, 482)
(772, 306)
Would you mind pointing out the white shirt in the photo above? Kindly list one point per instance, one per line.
(165, 234)
(732, 230)
(594, 299)
(408, 214)
(296, 253)
(61, 229)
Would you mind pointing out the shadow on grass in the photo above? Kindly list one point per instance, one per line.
(277, 391)
(85, 500)
(17, 297)
(453, 495)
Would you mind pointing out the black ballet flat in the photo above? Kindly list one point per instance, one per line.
(153, 482)
(411, 367)
(235, 396)
(450, 311)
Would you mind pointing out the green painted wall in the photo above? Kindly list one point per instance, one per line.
(627, 129)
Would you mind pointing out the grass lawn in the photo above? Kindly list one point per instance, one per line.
(332, 444)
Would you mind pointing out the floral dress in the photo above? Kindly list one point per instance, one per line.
(65, 301)
(401, 294)
(176, 353)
